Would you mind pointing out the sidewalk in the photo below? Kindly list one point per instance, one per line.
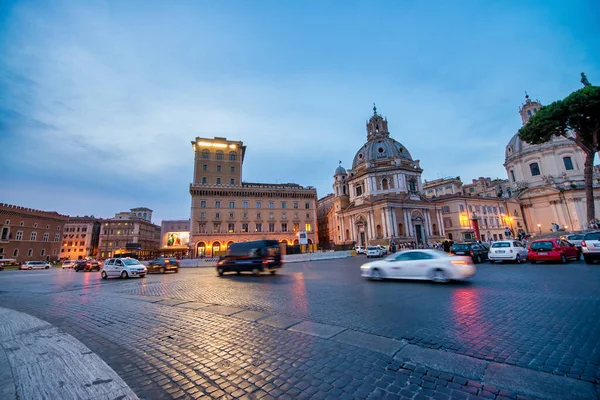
(38, 361)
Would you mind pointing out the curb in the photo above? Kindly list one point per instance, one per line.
(37, 360)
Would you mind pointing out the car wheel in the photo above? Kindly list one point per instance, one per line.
(176, 270)
(161, 270)
(104, 275)
(439, 276)
(255, 272)
(478, 260)
(124, 275)
(492, 261)
(46, 267)
(518, 259)
(578, 258)
(376, 275)
(273, 272)
(220, 271)
(533, 261)
(563, 259)
(30, 268)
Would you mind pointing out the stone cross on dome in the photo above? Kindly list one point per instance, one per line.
(374, 109)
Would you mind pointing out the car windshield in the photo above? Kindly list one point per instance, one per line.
(574, 237)
(131, 262)
(462, 246)
(546, 245)
(372, 248)
(592, 236)
(501, 244)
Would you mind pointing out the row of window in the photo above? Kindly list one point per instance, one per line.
(295, 205)
(219, 168)
(32, 236)
(70, 243)
(218, 181)
(29, 252)
(258, 215)
(534, 168)
(112, 232)
(258, 227)
(79, 229)
(83, 235)
(69, 250)
(35, 225)
(477, 209)
(219, 155)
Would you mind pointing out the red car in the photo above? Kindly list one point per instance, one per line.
(552, 249)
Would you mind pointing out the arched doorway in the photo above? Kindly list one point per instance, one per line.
(229, 244)
(295, 241)
(310, 241)
(347, 234)
(384, 184)
(283, 241)
(201, 249)
(216, 248)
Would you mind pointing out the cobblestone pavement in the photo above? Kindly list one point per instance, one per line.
(195, 335)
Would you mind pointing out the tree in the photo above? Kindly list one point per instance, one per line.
(576, 117)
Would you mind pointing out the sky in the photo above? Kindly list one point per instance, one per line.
(99, 100)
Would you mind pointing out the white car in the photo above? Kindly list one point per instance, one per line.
(35, 265)
(68, 264)
(590, 247)
(384, 250)
(507, 250)
(573, 239)
(434, 265)
(123, 268)
(360, 249)
(374, 251)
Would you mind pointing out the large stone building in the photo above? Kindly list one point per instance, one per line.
(225, 210)
(30, 235)
(548, 179)
(80, 238)
(175, 237)
(380, 197)
(129, 233)
(442, 186)
(325, 231)
(487, 187)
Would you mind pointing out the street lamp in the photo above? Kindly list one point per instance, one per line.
(540, 227)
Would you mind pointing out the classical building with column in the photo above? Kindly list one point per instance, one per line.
(380, 198)
(547, 179)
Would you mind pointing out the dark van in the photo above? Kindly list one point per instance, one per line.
(256, 256)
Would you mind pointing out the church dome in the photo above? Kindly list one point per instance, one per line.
(380, 149)
(340, 171)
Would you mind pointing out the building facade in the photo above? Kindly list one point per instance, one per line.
(548, 180)
(470, 218)
(442, 187)
(175, 237)
(80, 238)
(225, 210)
(30, 235)
(128, 233)
(380, 199)
(487, 187)
(325, 232)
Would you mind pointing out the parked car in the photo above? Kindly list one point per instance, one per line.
(590, 247)
(163, 264)
(256, 256)
(573, 239)
(123, 268)
(87, 265)
(360, 249)
(34, 265)
(374, 251)
(384, 250)
(7, 261)
(68, 264)
(426, 264)
(552, 249)
(477, 252)
(507, 250)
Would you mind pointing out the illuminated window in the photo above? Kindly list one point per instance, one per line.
(230, 228)
(296, 227)
(308, 228)
(245, 228)
(258, 227)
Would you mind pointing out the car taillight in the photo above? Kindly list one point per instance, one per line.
(583, 243)
(511, 251)
(472, 252)
(459, 262)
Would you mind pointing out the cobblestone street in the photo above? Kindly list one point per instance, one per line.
(318, 330)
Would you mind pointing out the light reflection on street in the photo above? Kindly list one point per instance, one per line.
(467, 315)
(298, 291)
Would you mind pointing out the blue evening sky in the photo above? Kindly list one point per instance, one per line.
(99, 100)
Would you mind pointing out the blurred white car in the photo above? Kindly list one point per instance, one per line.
(35, 265)
(424, 264)
(383, 249)
(360, 249)
(374, 251)
(123, 268)
(68, 264)
(507, 250)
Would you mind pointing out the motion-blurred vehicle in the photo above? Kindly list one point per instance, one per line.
(360, 249)
(163, 264)
(34, 265)
(425, 264)
(256, 256)
(374, 251)
(87, 265)
(477, 252)
(552, 249)
(68, 264)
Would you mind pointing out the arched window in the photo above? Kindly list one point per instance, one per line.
(400, 230)
(568, 163)
(43, 252)
(201, 249)
(219, 155)
(384, 184)
(205, 154)
(512, 175)
(534, 168)
(232, 156)
(535, 110)
(358, 191)
(15, 253)
(412, 186)
(29, 252)
(529, 112)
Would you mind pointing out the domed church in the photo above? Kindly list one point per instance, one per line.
(547, 179)
(379, 199)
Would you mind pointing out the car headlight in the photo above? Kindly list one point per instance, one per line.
(365, 266)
